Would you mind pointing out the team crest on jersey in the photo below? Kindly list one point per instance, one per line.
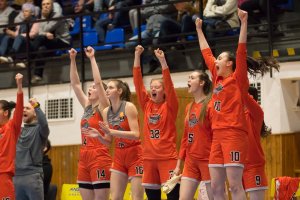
(154, 118)
(122, 117)
(218, 89)
(193, 120)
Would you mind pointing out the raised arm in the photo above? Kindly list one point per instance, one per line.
(132, 116)
(138, 79)
(170, 94)
(205, 49)
(41, 118)
(201, 37)
(241, 73)
(18, 113)
(75, 81)
(104, 102)
(243, 15)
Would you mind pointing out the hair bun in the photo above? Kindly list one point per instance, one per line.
(11, 105)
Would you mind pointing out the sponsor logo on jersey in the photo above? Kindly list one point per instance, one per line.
(154, 118)
(218, 89)
(193, 120)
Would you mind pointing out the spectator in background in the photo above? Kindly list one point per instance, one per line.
(71, 7)
(99, 5)
(47, 167)
(84, 5)
(7, 15)
(185, 23)
(154, 16)
(52, 35)
(258, 10)
(220, 15)
(15, 41)
(114, 19)
(133, 15)
(28, 179)
(36, 13)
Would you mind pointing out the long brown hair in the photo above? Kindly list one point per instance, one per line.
(7, 106)
(207, 90)
(126, 94)
(265, 130)
(256, 66)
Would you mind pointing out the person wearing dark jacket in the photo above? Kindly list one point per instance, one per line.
(28, 178)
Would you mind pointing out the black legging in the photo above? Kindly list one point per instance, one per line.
(156, 194)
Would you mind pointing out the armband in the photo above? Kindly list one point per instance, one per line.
(36, 105)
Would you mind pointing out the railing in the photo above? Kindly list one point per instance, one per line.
(267, 38)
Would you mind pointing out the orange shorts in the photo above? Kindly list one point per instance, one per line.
(157, 172)
(254, 178)
(229, 148)
(93, 168)
(128, 161)
(7, 190)
(195, 170)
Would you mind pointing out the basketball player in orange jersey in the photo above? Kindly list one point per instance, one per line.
(10, 130)
(94, 159)
(160, 109)
(197, 137)
(229, 125)
(230, 140)
(121, 122)
(254, 177)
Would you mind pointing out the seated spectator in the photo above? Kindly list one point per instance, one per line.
(114, 19)
(220, 15)
(133, 15)
(154, 16)
(71, 7)
(258, 10)
(185, 23)
(18, 37)
(36, 13)
(100, 5)
(7, 15)
(52, 35)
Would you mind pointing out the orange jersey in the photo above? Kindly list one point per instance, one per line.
(254, 118)
(159, 118)
(9, 134)
(197, 137)
(227, 99)
(119, 121)
(91, 118)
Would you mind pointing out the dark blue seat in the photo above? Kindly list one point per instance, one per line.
(86, 25)
(90, 38)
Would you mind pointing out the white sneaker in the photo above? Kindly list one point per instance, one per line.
(171, 183)
(36, 79)
(21, 65)
(6, 59)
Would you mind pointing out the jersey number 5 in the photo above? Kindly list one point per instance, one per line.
(190, 137)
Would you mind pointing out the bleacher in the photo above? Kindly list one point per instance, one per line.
(282, 40)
